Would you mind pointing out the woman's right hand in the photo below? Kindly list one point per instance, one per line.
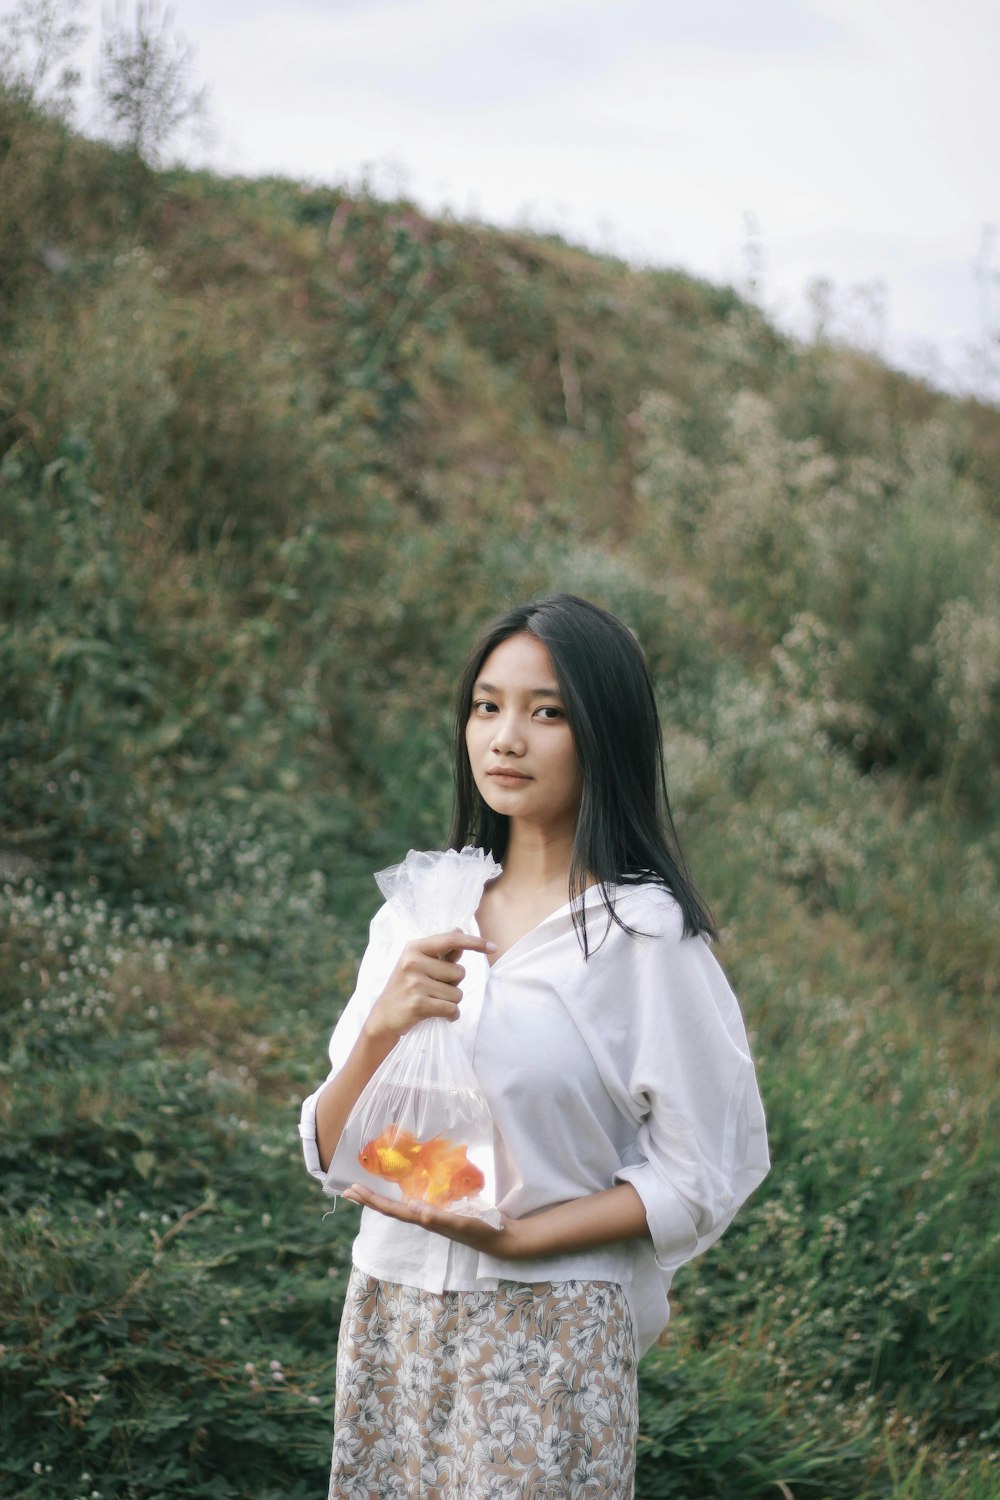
(425, 982)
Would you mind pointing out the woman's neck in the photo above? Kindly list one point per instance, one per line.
(537, 859)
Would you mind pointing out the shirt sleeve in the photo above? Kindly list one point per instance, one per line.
(700, 1147)
(384, 945)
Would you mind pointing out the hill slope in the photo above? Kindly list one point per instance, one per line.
(269, 456)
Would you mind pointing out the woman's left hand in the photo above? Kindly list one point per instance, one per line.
(510, 1242)
(615, 1213)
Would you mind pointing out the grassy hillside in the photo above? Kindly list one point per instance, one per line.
(268, 456)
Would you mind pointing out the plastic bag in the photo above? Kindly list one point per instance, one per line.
(422, 1128)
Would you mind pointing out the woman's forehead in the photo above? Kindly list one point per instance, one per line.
(520, 662)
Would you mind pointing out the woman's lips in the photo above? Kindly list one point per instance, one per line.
(500, 775)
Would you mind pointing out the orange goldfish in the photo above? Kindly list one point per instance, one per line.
(391, 1155)
(442, 1174)
(430, 1179)
(466, 1181)
(433, 1171)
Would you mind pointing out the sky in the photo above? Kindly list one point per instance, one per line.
(770, 144)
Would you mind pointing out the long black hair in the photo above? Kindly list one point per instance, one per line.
(625, 830)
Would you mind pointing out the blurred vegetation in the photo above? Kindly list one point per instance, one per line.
(268, 456)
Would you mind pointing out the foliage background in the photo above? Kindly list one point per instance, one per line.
(268, 456)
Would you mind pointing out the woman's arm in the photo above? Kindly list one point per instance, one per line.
(339, 1096)
(425, 982)
(602, 1218)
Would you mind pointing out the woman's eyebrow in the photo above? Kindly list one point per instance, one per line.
(538, 692)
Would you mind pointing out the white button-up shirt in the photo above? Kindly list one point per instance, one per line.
(630, 1066)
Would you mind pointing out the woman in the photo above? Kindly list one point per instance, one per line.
(484, 1362)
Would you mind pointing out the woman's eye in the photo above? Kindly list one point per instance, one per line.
(483, 706)
(551, 714)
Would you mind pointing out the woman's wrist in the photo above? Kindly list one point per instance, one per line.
(376, 1042)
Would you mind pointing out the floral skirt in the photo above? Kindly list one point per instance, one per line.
(525, 1393)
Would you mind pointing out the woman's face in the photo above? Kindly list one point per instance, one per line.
(518, 737)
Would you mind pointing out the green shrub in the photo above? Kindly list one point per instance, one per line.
(85, 715)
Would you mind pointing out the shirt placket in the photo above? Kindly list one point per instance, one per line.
(456, 1263)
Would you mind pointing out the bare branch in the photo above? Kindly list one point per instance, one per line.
(144, 79)
(38, 39)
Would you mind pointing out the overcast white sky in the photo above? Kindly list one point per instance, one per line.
(860, 137)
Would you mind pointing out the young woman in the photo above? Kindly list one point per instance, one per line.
(500, 1363)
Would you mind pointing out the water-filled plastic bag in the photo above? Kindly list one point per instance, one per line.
(422, 1129)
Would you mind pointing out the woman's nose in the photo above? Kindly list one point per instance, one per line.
(508, 738)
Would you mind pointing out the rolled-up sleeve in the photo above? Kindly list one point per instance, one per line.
(307, 1132)
(701, 1146)
(379, 959)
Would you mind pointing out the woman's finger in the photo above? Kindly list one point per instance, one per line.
(441, 943)
(461, 1227)
(405, 1209)
(446, 1007)
(436, 968)
(434, 991)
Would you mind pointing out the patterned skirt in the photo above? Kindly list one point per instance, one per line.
(525, 1393)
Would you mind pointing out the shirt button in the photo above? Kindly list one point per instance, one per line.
(726, 1200)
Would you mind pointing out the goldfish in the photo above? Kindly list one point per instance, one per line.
(466, 1181)
(391, 1155)
(435, 1171)
(442, 1174)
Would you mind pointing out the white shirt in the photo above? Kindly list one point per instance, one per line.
(630, 1066)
